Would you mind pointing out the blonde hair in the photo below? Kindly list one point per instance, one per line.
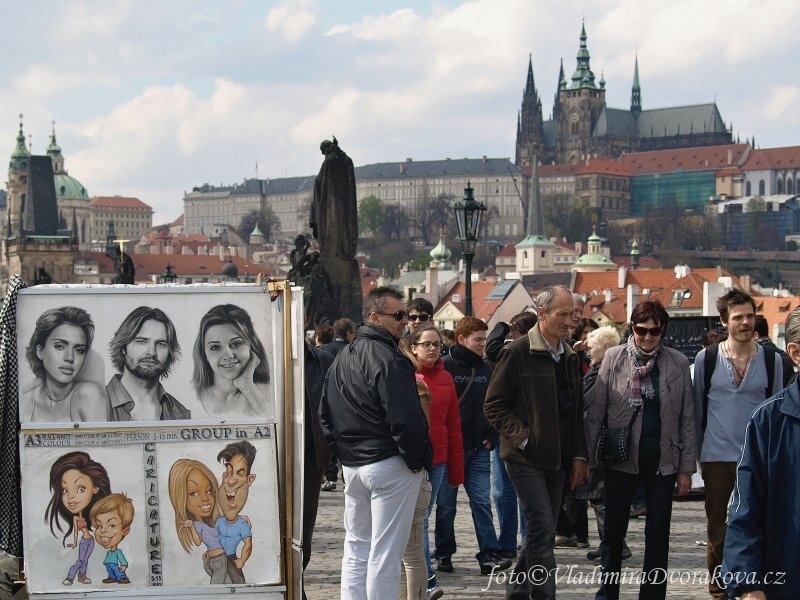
(607, 335)
(118, 503)
(178, 495)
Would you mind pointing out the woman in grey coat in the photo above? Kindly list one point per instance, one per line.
(647, 385)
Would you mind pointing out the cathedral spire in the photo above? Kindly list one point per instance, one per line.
(636, 90)
(530, 87)
(583, 76)
(21, 149)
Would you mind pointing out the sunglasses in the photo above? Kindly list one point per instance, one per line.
(398, 316)
(643, 331)
(429, 345)
(419, 317)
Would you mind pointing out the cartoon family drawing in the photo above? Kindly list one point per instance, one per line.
(85, 510)
(210, 514)
(77, 483)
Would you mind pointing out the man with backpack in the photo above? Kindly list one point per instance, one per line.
(731, 379)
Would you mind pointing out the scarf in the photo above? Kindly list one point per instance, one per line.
(641, 364)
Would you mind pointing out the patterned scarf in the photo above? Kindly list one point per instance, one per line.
(641, 364)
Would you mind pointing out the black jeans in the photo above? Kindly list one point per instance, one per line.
(539, 490)
(620, 488)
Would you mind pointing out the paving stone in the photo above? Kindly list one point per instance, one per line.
(686, 562)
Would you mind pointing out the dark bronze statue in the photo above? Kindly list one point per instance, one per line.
(307, 272)
(123, 266)
(334, 224)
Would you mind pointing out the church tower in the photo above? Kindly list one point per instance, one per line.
(582, 100)
(530, 126)
(17, 186)
(636, 91)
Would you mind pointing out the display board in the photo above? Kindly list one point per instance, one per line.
(686, 333)
(149, 439)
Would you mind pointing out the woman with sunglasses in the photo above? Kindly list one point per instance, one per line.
(425, 346)
(647, 385)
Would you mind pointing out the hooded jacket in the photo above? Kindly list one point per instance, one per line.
(471, 373)
(445, 422)
(370, 409)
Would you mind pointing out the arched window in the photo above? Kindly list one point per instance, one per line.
(780, 186)
(789, 186)
(747, 189)
(761, 189)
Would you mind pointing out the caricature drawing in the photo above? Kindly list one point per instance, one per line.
(112, 517)
(193, 491)
(77, 483)
(233, 529)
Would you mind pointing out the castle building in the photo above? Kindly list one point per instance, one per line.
(582, 125)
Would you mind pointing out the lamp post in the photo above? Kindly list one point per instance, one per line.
(468, 218)
(168, 276)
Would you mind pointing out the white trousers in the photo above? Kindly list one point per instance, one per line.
(379, 501)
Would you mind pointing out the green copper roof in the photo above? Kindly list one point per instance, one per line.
(440, 253)
(53, 149)
(21, 149)
(534, 240)
(593, 258)
(69, 187)
(583, 77)
(256, 231)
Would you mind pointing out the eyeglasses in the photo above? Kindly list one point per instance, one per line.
(422, 317)
(398, 315)
(643, 331)
(429, 345)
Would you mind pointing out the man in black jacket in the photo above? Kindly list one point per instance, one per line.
(471, 374)
(372, 419)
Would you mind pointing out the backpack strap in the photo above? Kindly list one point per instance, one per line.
(709, 362)
(769, 362)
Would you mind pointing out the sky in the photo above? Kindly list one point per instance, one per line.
(153, 98)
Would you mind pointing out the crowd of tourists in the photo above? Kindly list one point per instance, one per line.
(543, 417)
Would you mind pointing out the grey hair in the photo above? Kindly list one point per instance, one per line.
(545, 298)
(793, 327)
(576, 297)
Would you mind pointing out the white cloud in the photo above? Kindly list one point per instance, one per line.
(292, 19)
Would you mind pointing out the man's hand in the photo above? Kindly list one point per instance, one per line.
(580, 473)
(487, 444)
(684, 483)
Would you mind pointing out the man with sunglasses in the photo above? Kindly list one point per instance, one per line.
(738, 382)
(420, 313)
(372, 419)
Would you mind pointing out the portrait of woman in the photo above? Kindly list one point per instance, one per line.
(77, 483)
(230, 365)
(56, 353)
(644, 385)
(193, 493)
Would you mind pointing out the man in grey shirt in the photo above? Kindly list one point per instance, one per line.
(738, 385)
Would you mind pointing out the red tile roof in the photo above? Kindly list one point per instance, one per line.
(655, 280)
(481, 307)
(189, 265)
(117, 202)
(554, 170)
(645, 262)
(605, 166)
(709, 158)
(507, 250)
(775, 310)
(773, 158)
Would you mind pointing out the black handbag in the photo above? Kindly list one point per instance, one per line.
(614, 445)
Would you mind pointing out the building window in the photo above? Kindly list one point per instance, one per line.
(789, 186)
(585, 183)
(761, 189)
(747, 189)
(780, 185)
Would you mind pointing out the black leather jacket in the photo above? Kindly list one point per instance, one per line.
(370, 409)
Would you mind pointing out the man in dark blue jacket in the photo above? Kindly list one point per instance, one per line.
(762, 552)
(372, 418)
(471, 374)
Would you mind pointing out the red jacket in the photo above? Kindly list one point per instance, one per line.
(445, 422)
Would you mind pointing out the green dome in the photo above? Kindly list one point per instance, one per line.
(593, 258)
(69, 187)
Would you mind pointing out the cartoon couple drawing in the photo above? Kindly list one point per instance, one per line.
(209, 514)
(82, 498)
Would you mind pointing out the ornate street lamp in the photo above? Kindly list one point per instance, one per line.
(468, 218)
(168, 276)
